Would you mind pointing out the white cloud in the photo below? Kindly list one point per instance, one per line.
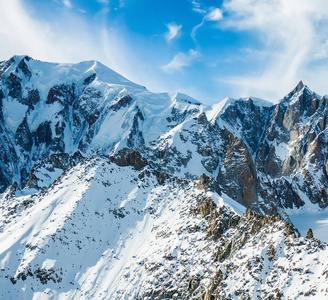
(173, 31)
(67, 3)
(321, 51)
(212, 14)
(293, 34)
(180, 61)
(197, 7)
(19, 32)
(195, 29)
(215, 14)
(122, 3)
(68, 38)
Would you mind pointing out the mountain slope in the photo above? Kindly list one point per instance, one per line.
(87, 108)
(53, 115)
(112, 232)
(51, 108)
(110, 191)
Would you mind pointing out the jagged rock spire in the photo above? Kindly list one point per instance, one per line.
(299, 86)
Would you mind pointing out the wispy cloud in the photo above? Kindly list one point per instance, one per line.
(173, 31)
(122, 3)
(197, 7)
(293, 34)
(195, 29)
(67, 3)
(67, 39)
(180, 61)
(211, 14)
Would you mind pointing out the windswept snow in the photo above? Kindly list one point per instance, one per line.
(99, 230)
(95, 228)
(225, 200)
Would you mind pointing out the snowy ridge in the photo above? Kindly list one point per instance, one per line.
(131, 212)
(110, 191)
(49, 108)
(109, 232)
(73, 106)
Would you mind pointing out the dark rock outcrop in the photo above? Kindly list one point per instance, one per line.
(128, 157)
(207, 183)
(13, 83)
(309, 234)
(238, 176)
(122, 102)
(23, 136)
(61, 161)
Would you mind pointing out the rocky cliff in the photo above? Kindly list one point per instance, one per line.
(110, 191)
(263, 155)
(118, 229)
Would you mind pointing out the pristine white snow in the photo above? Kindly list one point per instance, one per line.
(13, 113)
(225, 200)
(107, 232)
(95, 227)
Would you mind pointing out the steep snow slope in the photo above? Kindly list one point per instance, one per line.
(81, 236)
(113, 192)
(49, 108)
(109, 232)
(267, 157)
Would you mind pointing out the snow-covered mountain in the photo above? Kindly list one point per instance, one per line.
(104, 231)
(51, 108)
(110, 191)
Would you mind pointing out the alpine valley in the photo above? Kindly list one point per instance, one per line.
(110, 191)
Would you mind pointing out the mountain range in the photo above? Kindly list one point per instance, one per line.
(110, 191)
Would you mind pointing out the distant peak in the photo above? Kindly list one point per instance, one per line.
(298, 88)
(18, 58)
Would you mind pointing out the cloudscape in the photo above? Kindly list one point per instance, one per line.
(207, 49)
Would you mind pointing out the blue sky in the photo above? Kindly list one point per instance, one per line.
(207, 49)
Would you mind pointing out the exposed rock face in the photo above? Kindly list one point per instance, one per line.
(238, 174)
(23, 136)
(127, 157)
(292, 146)
(70, 113)
(135, 138)
(250, 120)
(262, 155)
(22, 66)
(63, 94)
(207, 183)
(309, 234)
(46, 171)
(122, 102)
(32, 99)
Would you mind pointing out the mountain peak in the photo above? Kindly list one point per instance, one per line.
(299, 86)
(297, 89)
(153, 187)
